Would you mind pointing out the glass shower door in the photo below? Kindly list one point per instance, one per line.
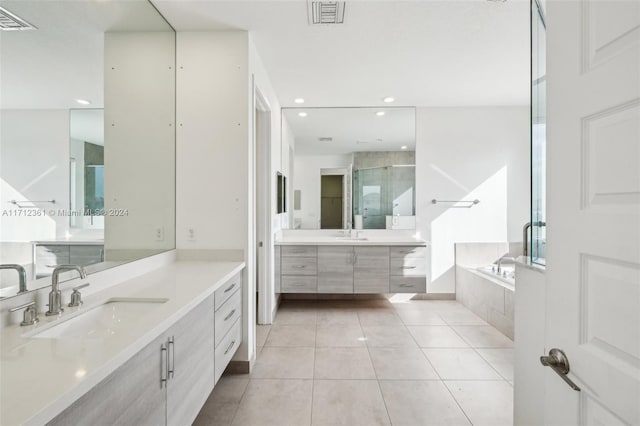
(371, 188)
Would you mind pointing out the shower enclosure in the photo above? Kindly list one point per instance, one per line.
(379, 192)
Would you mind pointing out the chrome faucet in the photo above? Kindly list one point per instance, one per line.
(512, 259)
(22, 275)
(55, 296)
(525, 236)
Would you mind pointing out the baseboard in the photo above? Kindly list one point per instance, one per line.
(240, 367)
(380, 296)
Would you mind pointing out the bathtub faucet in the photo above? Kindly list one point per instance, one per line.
(503, 258)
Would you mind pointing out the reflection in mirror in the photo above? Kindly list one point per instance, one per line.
(353, 167)
(87, 141)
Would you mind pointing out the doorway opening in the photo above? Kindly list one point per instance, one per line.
(331, 201)
(262, 209)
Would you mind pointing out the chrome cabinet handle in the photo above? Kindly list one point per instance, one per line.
(408, 267)
(171, 358)
(559, 363)
(230, 287)
(230, 346)
(163, 365)
(298, 266)
(230, 315)
(405, 285)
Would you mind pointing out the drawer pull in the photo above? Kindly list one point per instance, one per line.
(230, 315)
(405, 285)
(298, 266)
(230, 287)
(163, 365)
(408, 267)
(171, 357)
(230, 346)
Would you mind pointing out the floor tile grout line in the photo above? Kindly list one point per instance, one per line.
(490, 364)
(475, 349)
(313, 373)
(384, 401)
(444, 384)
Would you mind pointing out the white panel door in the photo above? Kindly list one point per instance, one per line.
(593, 216)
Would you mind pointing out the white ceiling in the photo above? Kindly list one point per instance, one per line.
(63, 59)
(424, 53)
(352, 129)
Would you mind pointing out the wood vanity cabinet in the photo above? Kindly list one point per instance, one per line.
(169, 380)
(335, 269)
(350, 269)
(371, 270)
(298, 269)
(129, 396)
(408, 270)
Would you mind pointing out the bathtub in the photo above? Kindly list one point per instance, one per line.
(507, 277)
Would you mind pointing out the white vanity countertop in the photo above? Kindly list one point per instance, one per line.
(41, 377)
(67, 242)
(340, 241)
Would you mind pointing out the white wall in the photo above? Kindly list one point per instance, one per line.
(139, 116)
(307, 180)
(39, 138)
(278, 160)
(214, 159)
(465, 154)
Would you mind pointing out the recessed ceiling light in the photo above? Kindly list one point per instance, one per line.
(403, 147)
(388, 99)
(298, 100)
(302, 114)
(380, 113)
(83, 102)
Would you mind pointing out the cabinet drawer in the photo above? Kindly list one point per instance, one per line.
(227, 290)
(299, 251)
(405, 252)
(408, 285)
(299, 265)
(52, 250)
(227, 315)
(228, 346)
(408, 267)
(298, 284)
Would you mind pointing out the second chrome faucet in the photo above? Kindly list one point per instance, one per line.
(55, 296)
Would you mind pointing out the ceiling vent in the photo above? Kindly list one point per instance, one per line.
(326, 12)
(325, 139)
(11, 22)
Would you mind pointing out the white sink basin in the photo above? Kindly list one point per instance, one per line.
(352, 238)
(105, 320)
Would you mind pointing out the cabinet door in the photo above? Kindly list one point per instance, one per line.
(277, 269)
(371, 270)
(335, 269)
(85, 255)
(131, 395)
(191, 357)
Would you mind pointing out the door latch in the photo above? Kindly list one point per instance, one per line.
(559, 363)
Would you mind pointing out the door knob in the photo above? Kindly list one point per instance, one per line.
(559, 363)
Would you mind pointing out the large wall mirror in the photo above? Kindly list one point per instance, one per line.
(353, 167)
(87, 143)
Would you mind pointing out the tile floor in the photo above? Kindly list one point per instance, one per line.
(371, 362)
